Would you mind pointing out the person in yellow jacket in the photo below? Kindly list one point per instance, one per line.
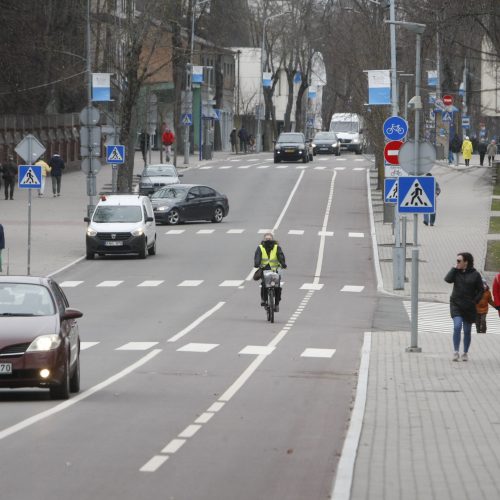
(45, 171)
(269, 255)
(467, 150)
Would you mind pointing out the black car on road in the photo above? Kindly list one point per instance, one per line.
(292, 146)
(188, 202)
(327, 143)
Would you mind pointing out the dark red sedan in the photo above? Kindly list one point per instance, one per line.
(39, 339)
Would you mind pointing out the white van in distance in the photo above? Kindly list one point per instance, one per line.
(349, 130)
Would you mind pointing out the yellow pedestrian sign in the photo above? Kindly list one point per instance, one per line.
(417, 194)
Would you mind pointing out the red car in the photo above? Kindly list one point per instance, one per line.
(39, 339)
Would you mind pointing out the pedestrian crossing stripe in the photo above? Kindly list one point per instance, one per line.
(115, 155)
(30, 178)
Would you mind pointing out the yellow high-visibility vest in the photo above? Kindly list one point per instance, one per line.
(272, 259)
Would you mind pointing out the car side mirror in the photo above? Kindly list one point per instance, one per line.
(86, 219)
(150, 219)
(71, 313)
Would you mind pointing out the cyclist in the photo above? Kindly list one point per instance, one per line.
(269, 256)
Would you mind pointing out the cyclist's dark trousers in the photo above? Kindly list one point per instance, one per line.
(277, 294)
(9, 189)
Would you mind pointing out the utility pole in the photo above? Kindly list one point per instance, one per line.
(91, 179)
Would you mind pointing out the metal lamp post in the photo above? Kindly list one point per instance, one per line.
(259, 134)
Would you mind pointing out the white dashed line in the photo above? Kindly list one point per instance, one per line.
(109, 283)
(257, 350)
(205, 168)
(319, 168)
(318, 353)
(136, 346)
(352, 288)
(264, 166)
(204, 418)
(296, 231)
(340, 159)
(245, 166)
(190, 283)
(205, 231)
(151, 283)
(301, 167)
(225, 167)
(156, 462)
(70, 284)
(174, 446)
(190, 431)
(236, 159)
(235, 231)
(311, 286)
(175, 231)
(359, 168)
(197, 347)
(322, 159)
(264, 231)
(325, 233)
(356, 235)
(87, 345)
(359, 159)
(254, 159)
(232, 283)
(217, 406)
(282, 166)
(339, 168)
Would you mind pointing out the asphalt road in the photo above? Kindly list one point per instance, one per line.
(187, 391)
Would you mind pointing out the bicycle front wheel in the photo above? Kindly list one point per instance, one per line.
(270, 305)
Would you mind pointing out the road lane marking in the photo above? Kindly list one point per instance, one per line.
(174, 446)
(282, 166)
(296, 231)
(376, 259)
(319, 168)
(287, 204)
(70, 284)
(236, 159)
(190, 283)
(359, 159)
(61, 269)
(257, 349)
(352, 288)
(235, 231)
(232, 283)
(136, 346)
(205, 231)
(322, 159)
(245, 166)
(197, 347)
(217, 406)
(359, 168)
(151, 283)
(196, 322)
(311, 286)
(109, 283)
(87, 345)
(325, 233)
(356, 235)
(205, 168)
(190, 431)
(342, 484)
(175, 231)
(311, 352)
(340, 159)
(301, 167)
(264, 166)
(9, 431)
(264, 231)
(156, 462)
(254, 159)
(225, 167)
(204, 418)
(339, 168)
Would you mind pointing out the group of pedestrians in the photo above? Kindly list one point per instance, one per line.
(466, 147)
(8, 173)
(246, 140)
(469, 302)
(55, 168)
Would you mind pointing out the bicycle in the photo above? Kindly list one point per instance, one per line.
(398, 129)
(271, 280)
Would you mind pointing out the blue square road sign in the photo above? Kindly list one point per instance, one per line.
(417, 195)
(29, 177)
(115, 154)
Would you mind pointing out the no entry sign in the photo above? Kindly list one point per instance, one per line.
(391, 152)
(447, 100)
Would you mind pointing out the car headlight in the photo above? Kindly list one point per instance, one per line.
(300, 150)
(91, 232)
(355, 141)
(162, 209)
(44, 343)
(335, 144)
(138, 232)
(313, 145)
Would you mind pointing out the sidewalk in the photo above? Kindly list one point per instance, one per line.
(431, 427)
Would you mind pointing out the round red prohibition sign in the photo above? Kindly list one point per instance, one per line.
(391, 152)
(447, 100)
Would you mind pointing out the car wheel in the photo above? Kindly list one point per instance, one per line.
(61, 391)
(218, 215)
(173, 217)
(358, 151)
(152, 249)
(144, 250)
(74, 381)
(90, 256)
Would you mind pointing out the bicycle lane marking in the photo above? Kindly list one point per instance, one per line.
(176, 444)
(282, 214)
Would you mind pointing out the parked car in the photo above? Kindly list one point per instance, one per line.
(292, 146)
(121, 224)
(154, 177)
(326, 142)
(39, 339)
(189, 202)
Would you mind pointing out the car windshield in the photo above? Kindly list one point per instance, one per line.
(159, 171)
(324, 136)
(172, 193)
(344, 126)
(118, 213)
(291, 138)
(25, 299)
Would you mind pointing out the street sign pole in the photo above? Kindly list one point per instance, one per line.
(30, 152)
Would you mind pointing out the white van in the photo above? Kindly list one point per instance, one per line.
(121, 224)
(349, 130)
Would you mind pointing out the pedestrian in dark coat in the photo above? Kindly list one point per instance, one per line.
(482, 148)
(56, 163)
(456, 147)
(2, 245)
(9, 174)
(243, 135)
(467, 292)
(233, 140)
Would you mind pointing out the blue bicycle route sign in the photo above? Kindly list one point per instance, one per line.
(395, 128)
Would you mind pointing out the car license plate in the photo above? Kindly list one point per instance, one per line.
(114, 243)
(5, 368)
(289, 150)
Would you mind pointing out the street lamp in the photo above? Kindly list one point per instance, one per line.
(259, 135)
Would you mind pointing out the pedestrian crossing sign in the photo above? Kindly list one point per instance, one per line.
(391, 190)
(30, 177)
(417, 195)
(115, 154)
